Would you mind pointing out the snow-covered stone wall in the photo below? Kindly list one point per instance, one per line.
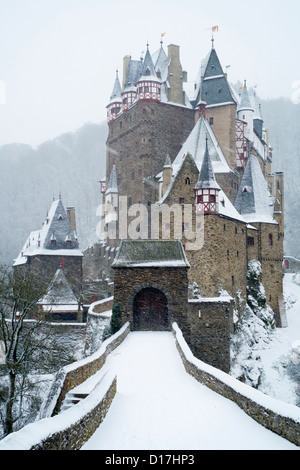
(70, 429)
(281, 418)
(76, 373)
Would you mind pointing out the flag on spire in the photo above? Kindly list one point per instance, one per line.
(215, 29)
(162, 34)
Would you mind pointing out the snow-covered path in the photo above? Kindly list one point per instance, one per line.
(159, 406)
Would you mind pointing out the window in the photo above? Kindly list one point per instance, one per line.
(232, 280)
(61, 262)
(199, 199)
(250, 241)
(270, 239)
(211, 121)
(181, 200)
(212, 198)
(188, 180)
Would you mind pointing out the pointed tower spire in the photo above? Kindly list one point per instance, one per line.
(115, 104)
(245, 103)
(245, 112)
(207, 188)
(112, 184)
(149, 85)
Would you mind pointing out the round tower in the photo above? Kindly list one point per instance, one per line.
(114, 106)
(245, 112)
(149, 84)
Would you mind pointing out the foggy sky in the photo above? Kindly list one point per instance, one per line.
(58, 58)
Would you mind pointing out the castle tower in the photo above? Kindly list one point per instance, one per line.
(175, 76)
(115, 104)
(149, 85)
(245, 112)
(220, 110)
(207, 189)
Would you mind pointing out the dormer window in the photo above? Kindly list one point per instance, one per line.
(53, 242)
(147, 71)
(60, 217)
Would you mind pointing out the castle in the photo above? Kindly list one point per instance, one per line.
(189, 199)
(198, 162)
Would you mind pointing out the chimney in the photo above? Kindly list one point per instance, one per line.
(126, 61)
(72, 218)
(175, 75)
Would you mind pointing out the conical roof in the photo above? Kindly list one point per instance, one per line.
(253, 199)
(148, 69)
(116, 95)
(245, 103)
(113, 182)
(206, 176)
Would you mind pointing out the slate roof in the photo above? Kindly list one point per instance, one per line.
(116, 95)
(206, 176)
(133, 73)
(196, 146)
(245, 100)
(148, 69)
(60, 295)
(150, 253)
(56, 228)
(253, 199)
(112, 184)
(160, 60)
(212, 85)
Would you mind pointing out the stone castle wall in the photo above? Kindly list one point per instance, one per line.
(138, 143)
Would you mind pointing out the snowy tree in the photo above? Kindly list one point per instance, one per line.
(24, 343)
(253, 330)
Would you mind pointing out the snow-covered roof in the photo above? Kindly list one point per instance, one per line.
(196, 146)
(112, 184)
(116, 95)
(56, 228)
(253, 200)
(60, 295)
(245, 100)
(150, 253)
(206, 175)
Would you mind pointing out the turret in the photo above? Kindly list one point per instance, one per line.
(111, 195)
(115, 104)
(245, 112)
(257, 118)
(207, 189)
(148, 85)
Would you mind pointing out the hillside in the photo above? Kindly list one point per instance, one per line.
(70, 165)
(73, 163)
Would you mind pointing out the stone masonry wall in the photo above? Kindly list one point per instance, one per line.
(211, 323)
(138, 143)
(171, 281)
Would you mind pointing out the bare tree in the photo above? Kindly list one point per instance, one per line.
(23, 342)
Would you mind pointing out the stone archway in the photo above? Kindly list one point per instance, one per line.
(150, 310)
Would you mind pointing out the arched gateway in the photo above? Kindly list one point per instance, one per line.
(150, 310)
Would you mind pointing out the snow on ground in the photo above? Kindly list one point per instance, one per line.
(159, 406)
(281, 377)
